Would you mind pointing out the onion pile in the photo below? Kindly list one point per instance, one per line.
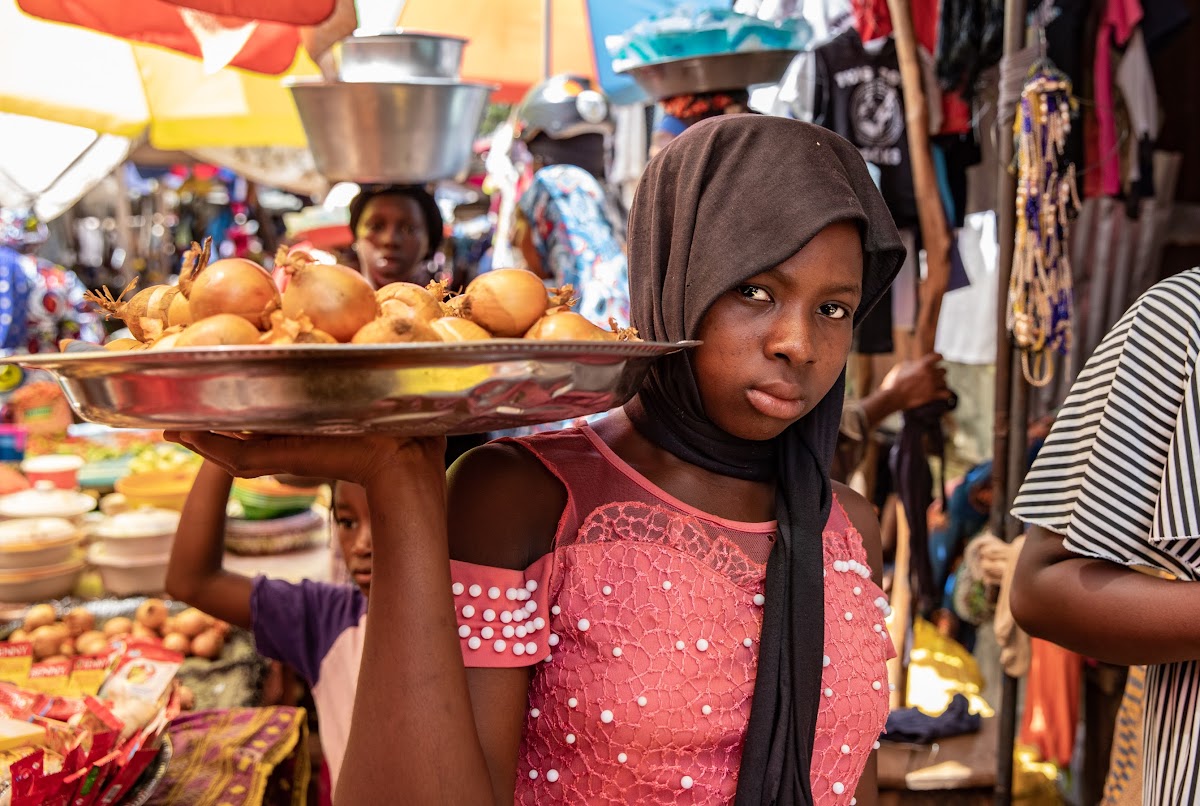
(234, 302)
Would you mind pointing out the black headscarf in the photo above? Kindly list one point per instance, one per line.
(434, 223)
(729, 198)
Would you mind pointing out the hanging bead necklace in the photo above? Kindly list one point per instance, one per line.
(1040, 288)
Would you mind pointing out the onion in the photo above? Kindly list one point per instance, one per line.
(192, 622)
(180, 310)
(123, 345)
(425, 306)
(167, 341)
(568, 326)
(506, 302)
(399, 326)
(294, 331)
(455, 328)
(233, 286)
(337, 299)
(221, 329)
(150, 303)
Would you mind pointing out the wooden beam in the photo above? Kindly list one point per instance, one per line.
(935, 230)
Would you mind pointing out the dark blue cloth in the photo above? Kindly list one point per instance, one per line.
(911, 725)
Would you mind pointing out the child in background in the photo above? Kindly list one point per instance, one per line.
(316, 628)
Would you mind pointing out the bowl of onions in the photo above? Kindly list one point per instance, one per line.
(228, 351)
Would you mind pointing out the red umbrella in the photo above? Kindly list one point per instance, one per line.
(262, 35)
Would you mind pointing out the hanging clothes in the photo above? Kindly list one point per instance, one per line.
(858, 95)
(873, 20)
(1116, 27)
(920, 439)
(1052, 701)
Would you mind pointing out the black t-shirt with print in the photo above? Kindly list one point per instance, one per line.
(858, 95)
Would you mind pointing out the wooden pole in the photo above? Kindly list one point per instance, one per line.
(935, 231)
(1011, 393)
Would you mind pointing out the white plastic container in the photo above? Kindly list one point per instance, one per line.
(40, 584)
(125, 576)
(139, 533)
(36, 542)
(45, 501)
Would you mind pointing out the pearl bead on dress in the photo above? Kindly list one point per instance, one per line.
(475, 590)
(457, 589)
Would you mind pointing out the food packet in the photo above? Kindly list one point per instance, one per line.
(87, 674)
(144, 672)
(16, 659)
(50, 677)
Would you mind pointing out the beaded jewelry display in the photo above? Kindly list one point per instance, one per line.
(1040, 288)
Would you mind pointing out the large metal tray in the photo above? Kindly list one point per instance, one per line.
(721, 71)
(407, 389)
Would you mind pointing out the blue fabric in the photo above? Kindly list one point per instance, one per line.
(612, 17)
(14, 299)
(671, 125)
(565, 207)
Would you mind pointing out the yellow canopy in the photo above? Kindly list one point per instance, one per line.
(83, 78)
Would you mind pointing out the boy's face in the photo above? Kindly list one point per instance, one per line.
(352, 528)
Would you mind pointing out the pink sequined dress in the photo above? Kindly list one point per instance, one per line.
(643, 624)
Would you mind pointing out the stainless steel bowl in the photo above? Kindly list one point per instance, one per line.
(722, 71)
(414, 389)
(398, 56)
(405, 133)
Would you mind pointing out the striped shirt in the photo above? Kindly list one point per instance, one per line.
(1118, 478)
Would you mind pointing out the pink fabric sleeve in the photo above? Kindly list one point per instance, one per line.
(503, 615)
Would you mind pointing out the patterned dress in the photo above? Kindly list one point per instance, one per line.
(643, 623)
(565, 207)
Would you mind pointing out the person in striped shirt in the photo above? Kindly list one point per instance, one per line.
(1113, 509)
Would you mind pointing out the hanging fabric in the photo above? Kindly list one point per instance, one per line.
(1040, 291)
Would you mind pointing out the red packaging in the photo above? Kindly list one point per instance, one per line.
(24, 772)
(51, 677)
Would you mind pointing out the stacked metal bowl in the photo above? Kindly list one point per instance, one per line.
(398, 112)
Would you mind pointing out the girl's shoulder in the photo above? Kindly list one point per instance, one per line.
(503, 506)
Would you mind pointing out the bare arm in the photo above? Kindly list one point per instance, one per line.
(414, 725)
(196, 574)
(1103, 610)
(412, 677)
(862, 516)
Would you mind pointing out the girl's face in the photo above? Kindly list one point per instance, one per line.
(777, 343)
(352, 528)
(391, 240)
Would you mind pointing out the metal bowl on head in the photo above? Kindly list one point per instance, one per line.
(414, 132)
(721, 71)
(398, 55)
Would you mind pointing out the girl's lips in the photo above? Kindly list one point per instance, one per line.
(777, 407)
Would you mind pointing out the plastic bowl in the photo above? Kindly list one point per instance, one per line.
(36, 543)
(41, 583)
(61, 470)
(125, 576)
(157, 490)
(138, 533)
(265, 499)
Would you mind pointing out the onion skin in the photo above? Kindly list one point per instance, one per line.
(568, 326)
(399, 327)
(506, 302)
(180, 311)
(455, 328)
(123, 345)
(233, 286)
(337, 299)
(219, 330)
(424, 306)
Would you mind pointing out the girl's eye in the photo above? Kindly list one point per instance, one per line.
(835, 310)
(754, 292)
(347, 523)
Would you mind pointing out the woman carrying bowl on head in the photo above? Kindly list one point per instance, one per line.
(397, 231)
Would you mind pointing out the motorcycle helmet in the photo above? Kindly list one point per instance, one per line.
(562, 107)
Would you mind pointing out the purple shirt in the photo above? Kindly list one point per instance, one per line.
(317, 629)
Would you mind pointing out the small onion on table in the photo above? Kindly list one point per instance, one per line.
(330, 355)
